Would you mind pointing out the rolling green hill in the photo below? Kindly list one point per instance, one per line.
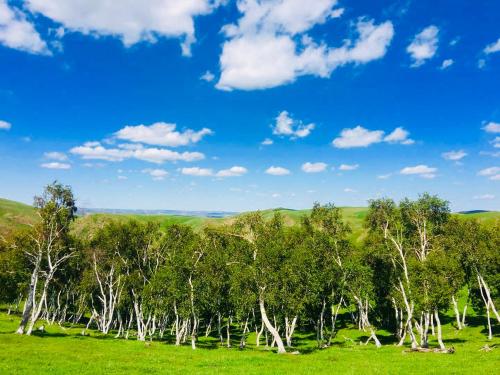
(14, 215)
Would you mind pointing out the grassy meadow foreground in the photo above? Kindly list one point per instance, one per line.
(66, 351)
(397, 287)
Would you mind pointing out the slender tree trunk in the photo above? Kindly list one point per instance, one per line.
(457, 312)
(219, 328)
(270, 328)
(289, 329)
(28, 306)
(490, 333)
(488, 296)
(438, 326)
(258, 334)
(228, 331)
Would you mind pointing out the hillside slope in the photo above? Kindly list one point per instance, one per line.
(14, 215)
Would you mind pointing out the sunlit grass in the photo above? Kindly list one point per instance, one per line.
(64, 350)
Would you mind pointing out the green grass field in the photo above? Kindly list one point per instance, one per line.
(62, 350)
(14, 215)
(65, 351)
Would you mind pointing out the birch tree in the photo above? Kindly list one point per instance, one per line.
(50, 247)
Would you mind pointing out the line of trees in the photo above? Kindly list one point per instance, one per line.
(134, 279)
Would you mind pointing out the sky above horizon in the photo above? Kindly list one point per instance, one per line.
(250, 104)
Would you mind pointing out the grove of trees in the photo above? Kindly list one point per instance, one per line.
(137, 280)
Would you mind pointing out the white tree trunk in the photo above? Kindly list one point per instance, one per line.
(457, 312)
(438, 326)
(270, 328)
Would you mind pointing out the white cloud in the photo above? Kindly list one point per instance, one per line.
(18, 33)
(161, 134)
(120, 177)
(484, 197)
(361, 137)
(55, 165)
(156, 174)
(269, 47)
(314, 167)
(384, 176)
(348, 167)
(424, 45)
(94, 150)
(287, 126)
(493, 47)
(454, 155)
(493, 173)
(421, 170)
(55, 156)
(399, 135)
(4, 125)
(447, 63)
(492, 127)
(208, 76)
(267, 142)
(129, 20)
(235, 171)
(276, 195)
(196, 171)
(277, 171)
(349, 190)
(492, 154)
(496, 142)
(481, 63)
(358, 137)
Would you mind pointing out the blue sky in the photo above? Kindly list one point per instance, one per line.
(239, 105)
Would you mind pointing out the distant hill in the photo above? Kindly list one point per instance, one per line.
(113, 211)
(14, 215)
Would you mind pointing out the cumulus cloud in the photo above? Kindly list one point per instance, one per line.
(424, 45)
(4, 125)
(286, 126)
(358, 137)
(361, 137)
(94, 150)
(129, 20)
(493, 173)
(314, 167)
(269, 45)
(208, 76)
(267, 142)
(348, 167)
(399, 135)
(496, 142)
(235, 171)
(493, 47)
(196, 171)
(384, 176)
(161, 134)
(54, 155)
(55, 165)
(492, 127)
(447, 63)
(156, 174)
(484, 197)
(421, 170)
(277, 171)
(454, 155)
(18, 33)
